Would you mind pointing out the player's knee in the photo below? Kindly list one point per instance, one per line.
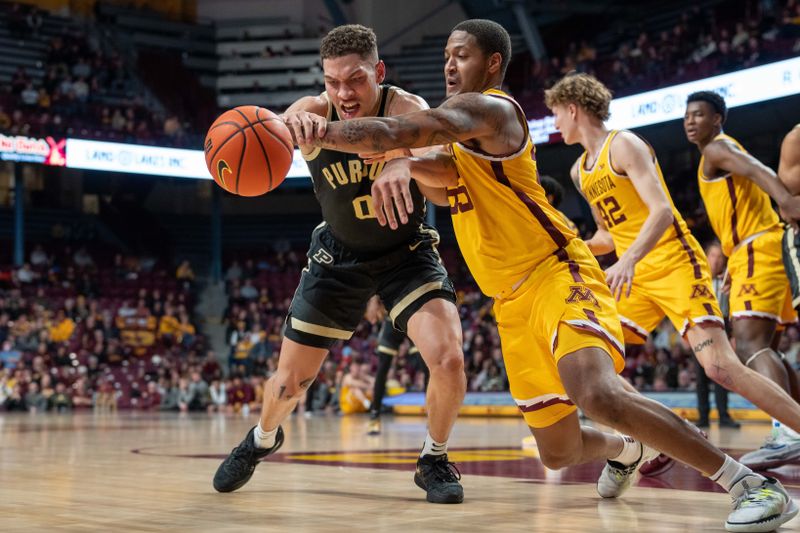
(559, 457)
(601, 403)
(289, 385)
(444, 354)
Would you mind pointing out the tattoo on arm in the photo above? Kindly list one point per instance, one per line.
(706, 343)
(451, 122)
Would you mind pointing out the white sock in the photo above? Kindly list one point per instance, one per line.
(631, 451)
(732, 472)
(264, 439)
(784, 431)
(431, 447)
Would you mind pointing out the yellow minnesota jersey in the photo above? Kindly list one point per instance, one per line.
(517, 228)
(737, 208)
(623, 210)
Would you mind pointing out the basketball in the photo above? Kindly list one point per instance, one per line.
(248, 151)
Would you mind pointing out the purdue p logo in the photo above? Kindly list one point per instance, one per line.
(700, 291)
(581, 294)
(748, 288)
(323, 257)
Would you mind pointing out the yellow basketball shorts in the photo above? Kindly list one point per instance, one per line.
(674, 283)
(563, 306)
(759, 285)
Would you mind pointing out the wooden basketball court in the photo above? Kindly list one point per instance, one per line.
(151, 472)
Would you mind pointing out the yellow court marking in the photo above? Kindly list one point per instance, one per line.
(463, 456)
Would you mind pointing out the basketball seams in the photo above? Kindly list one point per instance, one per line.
(242, 128)
(289, 149)
(241, 158)
(263, 151)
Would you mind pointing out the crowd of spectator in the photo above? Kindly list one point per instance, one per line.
(87, 90)
(80, 329)
(703, 42)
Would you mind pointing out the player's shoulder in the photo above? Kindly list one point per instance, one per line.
(403, 101)
(793, 135)
(627, 140)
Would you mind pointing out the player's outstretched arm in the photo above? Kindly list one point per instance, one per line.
(724, 156)
(634, 158)
(462, 117)
(789, 166)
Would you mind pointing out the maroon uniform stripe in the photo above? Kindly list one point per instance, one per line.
(687, 249)
(542, 405)
(751, 260)
(533, 207)
(564, 257)
(734, 218)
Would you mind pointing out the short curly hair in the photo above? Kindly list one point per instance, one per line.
(582, 90)
(349, 39)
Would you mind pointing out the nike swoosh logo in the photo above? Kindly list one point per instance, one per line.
(222, 166)
(414, 246)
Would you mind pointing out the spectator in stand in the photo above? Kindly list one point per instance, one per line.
(34, 401)
(61, 400)
(248, 290)
(39, 257)
(218, 396)
(234, 272)
(62, 327)
(185, 275)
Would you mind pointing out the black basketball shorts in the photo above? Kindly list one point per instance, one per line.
(337, 284)
(791, 261)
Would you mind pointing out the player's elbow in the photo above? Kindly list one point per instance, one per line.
(665, 215)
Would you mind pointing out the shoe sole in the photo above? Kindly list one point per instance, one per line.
(773, 463)
(769, 524)
(457, 498)
(235, 487)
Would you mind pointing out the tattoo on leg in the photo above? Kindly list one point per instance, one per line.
(282, 392)
(705, 344)
(724, 377)
(306, 382)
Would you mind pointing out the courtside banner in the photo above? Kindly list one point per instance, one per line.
(750, 86)
(47, 151)
(152, 160)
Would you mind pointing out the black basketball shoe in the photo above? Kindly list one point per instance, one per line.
(439, 478)
(238, 467)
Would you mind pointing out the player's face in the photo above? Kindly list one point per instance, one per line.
(353, 84)
(466, 67)
(565, 122)
(700, 122)
(716, 261)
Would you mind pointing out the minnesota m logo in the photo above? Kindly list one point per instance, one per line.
(581, 294)
(748, 288)
(700, 291)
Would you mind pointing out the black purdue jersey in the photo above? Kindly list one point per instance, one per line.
(342, 184)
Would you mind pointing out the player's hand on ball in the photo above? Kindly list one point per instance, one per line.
(391, 192)
(619, 275)
(378, 157)
(305, 126)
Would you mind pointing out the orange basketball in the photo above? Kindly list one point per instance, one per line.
(248, 150)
